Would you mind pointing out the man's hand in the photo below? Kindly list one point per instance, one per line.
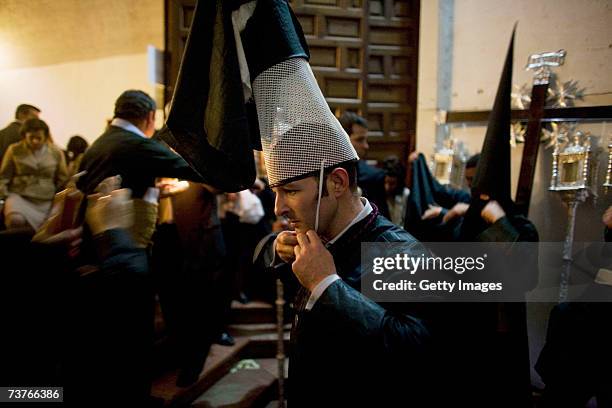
(285, 242)
(492, 212)
(607, 217)
(458, 210)
(313, 262)
(432, 212)
(106, 212)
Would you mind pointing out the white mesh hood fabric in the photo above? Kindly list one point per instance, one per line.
(298, 130)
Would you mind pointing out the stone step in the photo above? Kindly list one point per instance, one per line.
(254, 312)
(263, 340)
(218, 363)
(251, 383)
(265, 345)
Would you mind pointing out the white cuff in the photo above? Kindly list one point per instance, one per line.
(319, 289)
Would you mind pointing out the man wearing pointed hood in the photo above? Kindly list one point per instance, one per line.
(345, 349)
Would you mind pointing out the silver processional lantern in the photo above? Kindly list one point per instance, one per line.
(572, 178)
(608, 183)
(449, 159)
(571, 169)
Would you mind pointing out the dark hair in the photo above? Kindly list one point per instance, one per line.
(472, 161)
(76, 145)
(350, 167)
(134, 105)
(34, 125)
(25, 109)
(394, 168)
(348, 119)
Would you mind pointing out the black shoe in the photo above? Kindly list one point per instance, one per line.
(226, 340)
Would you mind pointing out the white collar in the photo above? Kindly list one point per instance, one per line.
(365, 211)
(127, 125)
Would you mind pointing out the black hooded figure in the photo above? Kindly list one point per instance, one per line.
(486, 343)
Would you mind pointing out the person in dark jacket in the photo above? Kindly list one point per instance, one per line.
(340, 338)
(125, 149)
(371, 180)
(10, 134)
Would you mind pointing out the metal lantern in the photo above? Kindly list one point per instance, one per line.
(460, 158)
(608, 183)
(571, 178)
(443, 161)
(572, 163)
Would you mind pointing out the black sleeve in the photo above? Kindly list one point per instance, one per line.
(447, 197)
(517, 232)
(162, 162)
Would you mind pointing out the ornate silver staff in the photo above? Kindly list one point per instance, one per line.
(541, 64)
(571, 177)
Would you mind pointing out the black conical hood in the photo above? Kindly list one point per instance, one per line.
(493, 171)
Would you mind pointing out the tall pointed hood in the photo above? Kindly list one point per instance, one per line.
(493, 171)
(492, 177)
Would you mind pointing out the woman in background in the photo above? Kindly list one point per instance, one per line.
(32, 171)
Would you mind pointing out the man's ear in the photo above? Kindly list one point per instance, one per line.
(151, 116)
(338, 182)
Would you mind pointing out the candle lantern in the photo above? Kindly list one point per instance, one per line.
(571, 169)
(443, 162)
(608, 182)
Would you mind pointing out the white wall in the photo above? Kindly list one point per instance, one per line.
(76, 97)
(481, 32)
(72, 58)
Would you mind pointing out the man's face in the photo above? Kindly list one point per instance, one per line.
(470, 172)
(297, 201)
(359, 140)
